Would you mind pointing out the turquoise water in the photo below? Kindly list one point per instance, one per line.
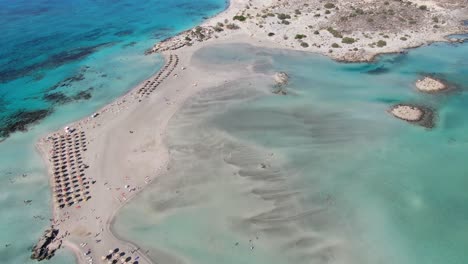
(60, 61)
(321, 175)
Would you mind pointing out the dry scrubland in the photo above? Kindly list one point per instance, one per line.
(344, 30)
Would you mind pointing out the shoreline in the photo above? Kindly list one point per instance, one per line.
(118, 116)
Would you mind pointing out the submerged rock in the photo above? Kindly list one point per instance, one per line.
(47, 245)
(281, 78)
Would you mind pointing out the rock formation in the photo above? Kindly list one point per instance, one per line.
(47, 245)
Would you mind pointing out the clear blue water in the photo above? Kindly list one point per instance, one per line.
(66, 59)
(322, 175)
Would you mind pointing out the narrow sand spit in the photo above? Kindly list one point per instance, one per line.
(124, 151)
(124, 140)
(430, 85)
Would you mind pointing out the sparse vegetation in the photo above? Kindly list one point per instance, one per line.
(348, 40)
(218, 29)
(316, 32)
(381, 43)
(283, 16)
(329, 5)
(300, 36)
(271, 34)
(232, 26)
(327, 12)
(423, 7)
(240, 18)
(335, 33)
(403, 38)
(335, 45)
(304, 44)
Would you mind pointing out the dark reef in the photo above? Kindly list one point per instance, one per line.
(67, 81)
(53, 61)
(62, 98)
(20, 121)
(378, 70)
(123, 33)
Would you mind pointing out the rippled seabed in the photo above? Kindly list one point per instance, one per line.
(61, 60)
(322, 175)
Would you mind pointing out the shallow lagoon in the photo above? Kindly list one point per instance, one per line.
(321, 175)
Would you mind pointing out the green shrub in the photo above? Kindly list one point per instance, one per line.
(297, 12)
(240, 18)
(304, 44)
(329, 5)
(283, 16)
(300, 36)
(335, 45)
(219, 24)
(403, 38)
(435, 19)
(232, 26)
(271, 34)
(335, 33)
(381, 43)
(423, 7)
(218, 29)
(348, 40)
(316, 32)
(327, 12)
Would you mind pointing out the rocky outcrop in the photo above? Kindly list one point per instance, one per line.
(430, 85)
(281, 80)
(418, 115)
(47, 245)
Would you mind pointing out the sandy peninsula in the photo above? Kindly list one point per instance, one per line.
(121, 149)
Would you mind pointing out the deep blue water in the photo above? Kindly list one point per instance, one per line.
(60, 60)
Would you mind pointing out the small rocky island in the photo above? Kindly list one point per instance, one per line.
(430, 85)
(281, 80)
(47, 245)
(418, 115)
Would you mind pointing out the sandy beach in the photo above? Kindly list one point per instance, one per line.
(125, 148)
(126, 151)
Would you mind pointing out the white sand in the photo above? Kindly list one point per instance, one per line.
(428, 84)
